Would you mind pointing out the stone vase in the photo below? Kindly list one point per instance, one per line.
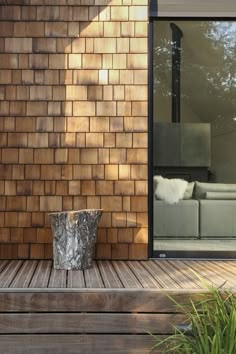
(74, 237)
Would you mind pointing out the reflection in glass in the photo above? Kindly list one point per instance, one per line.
(194, 119)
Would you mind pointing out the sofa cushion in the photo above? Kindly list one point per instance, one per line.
(201, 188)
(217, 219)
(176, 220)
(220, 195)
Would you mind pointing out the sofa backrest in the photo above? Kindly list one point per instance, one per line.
(204, 190)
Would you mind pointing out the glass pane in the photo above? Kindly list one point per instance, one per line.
(194, 136)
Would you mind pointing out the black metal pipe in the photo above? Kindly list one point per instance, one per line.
(177, 34)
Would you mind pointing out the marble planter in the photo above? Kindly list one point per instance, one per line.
(74, 236)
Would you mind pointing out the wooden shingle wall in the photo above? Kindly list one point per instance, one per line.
(73, 122)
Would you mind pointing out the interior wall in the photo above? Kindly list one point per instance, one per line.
(208, 87)
(73, 125)
(223, 152)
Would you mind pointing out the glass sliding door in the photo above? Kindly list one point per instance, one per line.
(194, 138)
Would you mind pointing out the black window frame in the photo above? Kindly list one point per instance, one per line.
(165, 254)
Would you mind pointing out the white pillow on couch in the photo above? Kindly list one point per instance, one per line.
(189, 190)
(169, 190)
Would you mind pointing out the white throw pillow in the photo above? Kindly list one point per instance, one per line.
(189, 191)
(169, 190)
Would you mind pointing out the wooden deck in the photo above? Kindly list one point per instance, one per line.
(106, 309)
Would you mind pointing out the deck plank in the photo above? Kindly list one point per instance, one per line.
(145, 278)
(160, 275)
(177, 275)
(79, 344)
(230, 268)
(3, 264)
(166, 274)
(94, 300)
(109, 276)
(182, 272)
(41, 275)
(58, 278)
(217, 273)
(89, 323)
(125, 274)
(9, 273)
(75, 279)
(24, 275)
(226, 277)
(211, 276)
(93, 278)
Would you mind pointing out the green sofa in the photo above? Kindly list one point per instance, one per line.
(211, 212)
